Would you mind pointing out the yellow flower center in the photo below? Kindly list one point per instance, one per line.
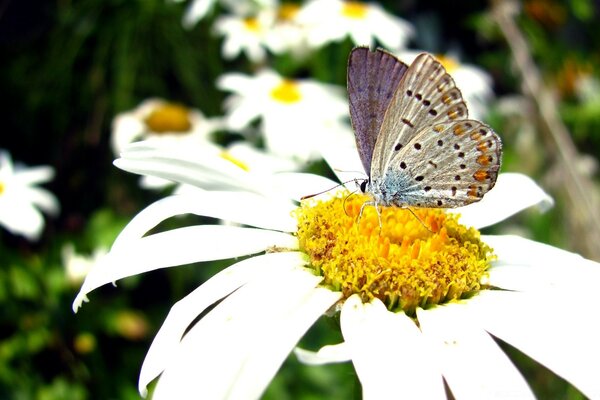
(1, 188)
(169, 118)
(252, 24)
(287, 11)
(449, 63)
(235, 161)
(412, 260)
(287, 92)
(355, 10)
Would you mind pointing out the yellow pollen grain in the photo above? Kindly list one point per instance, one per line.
(287, 11)
(287, 92)
(354, 9)
(235, 161)
(252, 24)
(449, 63)
(407, 262)
(169, 118)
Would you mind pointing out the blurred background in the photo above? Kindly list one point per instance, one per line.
(69, 69)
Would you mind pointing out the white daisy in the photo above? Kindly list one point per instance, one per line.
(198, 9)
(288, 33)
(245, 33)
(21, 199)
(160, 120)
(475, 84)
(292, 111)
(418, 305)
(333, 20)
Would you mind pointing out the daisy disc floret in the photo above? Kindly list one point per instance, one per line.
(413, 259)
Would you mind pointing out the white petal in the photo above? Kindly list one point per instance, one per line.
(341, 155)
(22, 219)
(526, 265)
(34, 175)
(473, 365)
(180, 246)
(187, 309)
(183, 169)
(240, 207)
(220, 356)
(560, 332)
(43, 199)
(296, 184)
(334, 353)
(389, 353)
(513, 193)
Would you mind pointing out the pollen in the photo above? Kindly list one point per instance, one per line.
(287, 12)
(407, 260)
(252, 24)
(287, 92)
(169, 118)
(235, 161)
(354, 9)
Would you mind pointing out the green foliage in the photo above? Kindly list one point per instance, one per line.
(70, 66)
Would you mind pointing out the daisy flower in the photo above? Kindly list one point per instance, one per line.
(475, 84)
(163, 121)
(333, 20)
(198, 9)
(21, 200)
(419, 297)
(288, 33)
(245, 33)
(291, 111)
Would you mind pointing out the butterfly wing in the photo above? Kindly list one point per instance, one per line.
(426, 95)
(372, 81)
(448, 164)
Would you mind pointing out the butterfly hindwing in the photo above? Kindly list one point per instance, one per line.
(373, 77)
(447, 164)
(426, 95)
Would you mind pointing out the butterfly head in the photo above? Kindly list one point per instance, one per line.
(363, 185)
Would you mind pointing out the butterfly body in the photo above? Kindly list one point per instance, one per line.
(413, 135)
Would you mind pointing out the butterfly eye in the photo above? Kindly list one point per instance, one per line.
(363, 185)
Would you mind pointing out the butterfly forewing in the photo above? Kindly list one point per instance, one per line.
(426, 95)
(372, 80)
(447, 164)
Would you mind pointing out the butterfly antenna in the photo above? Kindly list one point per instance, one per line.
(308, 196)
(420, 220)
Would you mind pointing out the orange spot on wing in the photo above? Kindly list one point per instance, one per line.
(483, 160)
(483, 147)
(458, 129)
(481, 175)
(472, 191)
(476, 136)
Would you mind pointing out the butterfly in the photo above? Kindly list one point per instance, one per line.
(413, 134)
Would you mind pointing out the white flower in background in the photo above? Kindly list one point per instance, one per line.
(198, 9)
(295, 114)
(288, 34)
(162, 121)
(418, 305)
(21, 199)
(333, 20)
(475, 84)
(245, 34)
(78, 265)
